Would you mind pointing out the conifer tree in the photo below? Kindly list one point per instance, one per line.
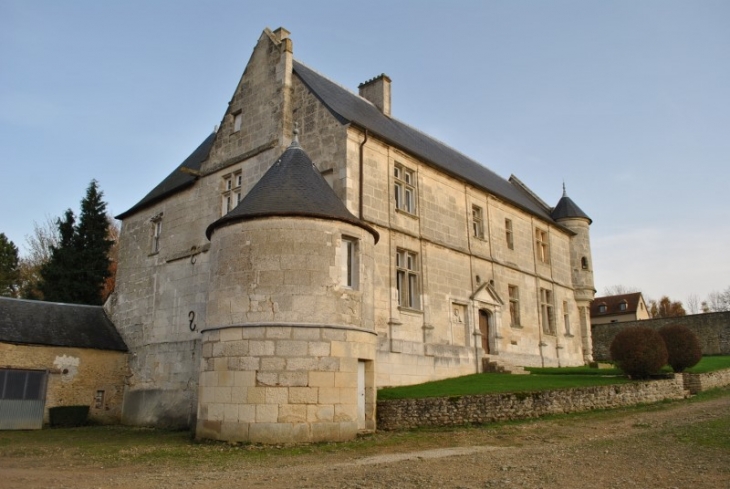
(79, 265)
(9, 276)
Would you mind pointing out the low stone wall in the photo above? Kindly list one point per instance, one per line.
(712, 330)
(454, 411)
(696, 383)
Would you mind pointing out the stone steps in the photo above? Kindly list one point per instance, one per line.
(496, 366)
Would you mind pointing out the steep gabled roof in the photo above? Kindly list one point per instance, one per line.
(292, 187)
(178, 179)
(348, 107)
(54, 324)
(613, 304)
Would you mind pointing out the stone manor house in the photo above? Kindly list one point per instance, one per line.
(314, 248)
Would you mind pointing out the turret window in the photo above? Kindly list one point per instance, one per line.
(584, 263)
(349, 262)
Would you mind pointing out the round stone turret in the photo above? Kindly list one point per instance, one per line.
(289, 348)
(568, 214)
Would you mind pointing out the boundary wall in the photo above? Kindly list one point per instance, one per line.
(400, 414)
(712, 330)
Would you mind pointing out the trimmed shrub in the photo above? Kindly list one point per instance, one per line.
(639, 351)
(682, 345)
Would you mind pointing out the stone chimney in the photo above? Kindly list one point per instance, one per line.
(377, 91)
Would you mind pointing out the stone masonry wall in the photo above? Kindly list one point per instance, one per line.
(75, 376)
(713, 331)
(455, 411)
(696, 383)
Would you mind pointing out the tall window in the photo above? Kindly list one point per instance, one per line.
(231, 192)
(156, 233)
(566, 318)
(541, 243)
(584, 263)
(508, 234)
(514, 305)
(405, 190)
(407, 279)
(546, 311)
(349, 262)
(237, 120)
(477, 222)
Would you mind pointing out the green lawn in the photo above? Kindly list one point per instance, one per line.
(540, 379)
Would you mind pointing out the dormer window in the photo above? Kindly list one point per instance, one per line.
(622, 306)
(231, 192)
(602, 308)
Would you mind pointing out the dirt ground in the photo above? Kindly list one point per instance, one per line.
(642, 449)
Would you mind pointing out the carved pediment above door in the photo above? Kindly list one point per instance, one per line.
(486, 294)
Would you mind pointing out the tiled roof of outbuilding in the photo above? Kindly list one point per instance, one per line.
(54, 324)
(613, 302)
(349, 107)
(292, 187)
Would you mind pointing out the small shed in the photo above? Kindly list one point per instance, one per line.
(54, 355)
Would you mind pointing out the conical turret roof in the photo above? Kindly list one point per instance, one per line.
(566, 209)
(292, 187)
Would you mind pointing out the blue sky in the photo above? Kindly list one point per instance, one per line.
(627, 102)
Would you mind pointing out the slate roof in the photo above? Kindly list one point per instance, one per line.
(54, 324)
(566, 208)
(177, 180)
(613, 302)
(348, 107)
(352, 108)
(292, 187)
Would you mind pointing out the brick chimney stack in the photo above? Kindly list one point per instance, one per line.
(377, 91)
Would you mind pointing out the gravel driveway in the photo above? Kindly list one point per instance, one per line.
(657, 448)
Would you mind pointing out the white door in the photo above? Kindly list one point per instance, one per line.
(361, 395)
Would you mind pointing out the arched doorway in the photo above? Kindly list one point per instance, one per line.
(484, 329)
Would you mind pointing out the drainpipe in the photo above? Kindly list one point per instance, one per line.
(362, 157)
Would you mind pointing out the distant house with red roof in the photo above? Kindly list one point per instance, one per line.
(619, 309)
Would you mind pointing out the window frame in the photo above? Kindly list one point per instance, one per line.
(404, 185)
(408, 279)
(547, 311)
(237, 121)
(509, 234)
(477, 221)
(231, 195)
(349, 265)
(566, 319)
(542, 245)
(513, 292)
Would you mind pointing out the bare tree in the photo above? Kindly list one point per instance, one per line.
(693, 304)
(619, 290)
(719, 301)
